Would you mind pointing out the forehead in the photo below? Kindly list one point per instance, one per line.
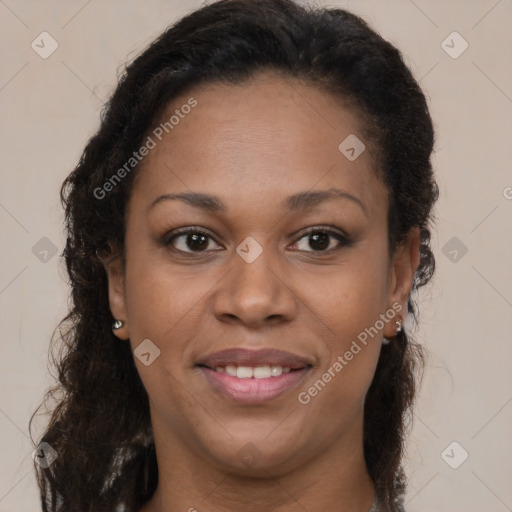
(268, 136)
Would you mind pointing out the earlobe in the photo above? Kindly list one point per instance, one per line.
(116, 296)
(404, 265)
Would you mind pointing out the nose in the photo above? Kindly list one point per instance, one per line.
(256, 293)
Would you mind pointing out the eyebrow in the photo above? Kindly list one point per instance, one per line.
(297, 202)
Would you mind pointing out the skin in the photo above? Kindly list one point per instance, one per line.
(253, 145)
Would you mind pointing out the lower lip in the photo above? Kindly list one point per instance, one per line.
(253, 391)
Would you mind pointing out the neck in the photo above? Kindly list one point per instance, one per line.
(335, 480)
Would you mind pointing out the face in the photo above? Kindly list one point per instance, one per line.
(289, 253)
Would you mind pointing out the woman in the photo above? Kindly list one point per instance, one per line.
(244, 235)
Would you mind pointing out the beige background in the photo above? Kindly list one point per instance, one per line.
(50, 107)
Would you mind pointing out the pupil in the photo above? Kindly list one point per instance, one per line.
(195, 238)
(321, 238)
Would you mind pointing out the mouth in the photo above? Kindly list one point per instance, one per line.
(248, 372)
(253, 377)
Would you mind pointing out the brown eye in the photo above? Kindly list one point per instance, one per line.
(321, 240)
(188, 240)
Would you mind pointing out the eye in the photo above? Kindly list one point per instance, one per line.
(319, 239)
(188, 240)
(197, 240)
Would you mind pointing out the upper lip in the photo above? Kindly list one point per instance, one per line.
(247, 357)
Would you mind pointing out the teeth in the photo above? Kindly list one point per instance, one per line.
(258, 372)
(244, 372)
(276, 371)
(231, 370)
(262, 372)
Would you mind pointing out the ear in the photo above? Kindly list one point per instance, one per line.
(116, 296)
(404, 264)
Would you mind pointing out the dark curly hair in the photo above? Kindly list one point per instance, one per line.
(100, 423)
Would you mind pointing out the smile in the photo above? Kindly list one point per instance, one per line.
(258, 372)
(246, 385)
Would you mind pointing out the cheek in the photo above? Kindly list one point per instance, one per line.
(162, 303)
(164, 307)
(349, 302)
(332, 401)
(347, 298)
(168, 305)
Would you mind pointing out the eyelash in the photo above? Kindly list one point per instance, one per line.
(168, 238)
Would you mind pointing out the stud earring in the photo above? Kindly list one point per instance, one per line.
(117, 324)
(398, 324)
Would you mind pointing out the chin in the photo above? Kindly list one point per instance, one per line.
(257, 456)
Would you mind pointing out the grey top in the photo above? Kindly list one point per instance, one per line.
(375, 506)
